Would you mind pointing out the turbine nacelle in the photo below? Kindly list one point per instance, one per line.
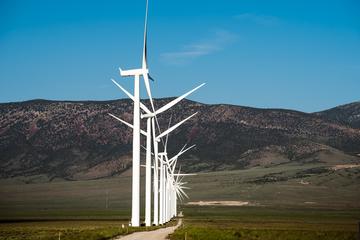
(148, 115)
(134, 72)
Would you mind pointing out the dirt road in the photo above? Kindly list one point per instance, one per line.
(159, 234)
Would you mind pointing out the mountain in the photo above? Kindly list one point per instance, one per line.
(348, 114)
(78, 140)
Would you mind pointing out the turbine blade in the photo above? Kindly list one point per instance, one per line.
(123, 89)
(182, 151)
(127, 124)
(177, 177)
(143, 107)
(167, 135)
(185, 174)
(143, 147)
(179, 194)
(173, 169)
(182, 178)
(147, 86)
(174, 157)
(175, 101)
(175, 126)
(144, 62)
(183, 147)
(183, 192)
(151, 78)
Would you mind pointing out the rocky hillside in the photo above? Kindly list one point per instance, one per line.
(348, 114)
(78, 140)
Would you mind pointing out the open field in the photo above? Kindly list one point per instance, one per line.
(310, 201)
(292, 185)
(267, 223)
(206, 222)
(66, 229)
(70, 229)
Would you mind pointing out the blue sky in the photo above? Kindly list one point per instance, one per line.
(302, 55)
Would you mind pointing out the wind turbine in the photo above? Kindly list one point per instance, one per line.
(162, 176)
(151, 118)
(179, 189)
(136, 73)
(167, 168)
(171, 163)
(156, 170)
(171, 209)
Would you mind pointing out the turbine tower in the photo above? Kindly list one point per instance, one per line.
(136, 73)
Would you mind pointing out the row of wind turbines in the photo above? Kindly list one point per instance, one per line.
(163, 181)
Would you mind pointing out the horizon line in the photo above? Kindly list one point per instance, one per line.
(147, 99)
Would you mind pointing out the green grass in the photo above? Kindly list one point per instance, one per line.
(207, 233)
(68, 230)
(87, 230)
(66, 199)
(265, 223)
(326, 208)
(87, 199)
(333, 189)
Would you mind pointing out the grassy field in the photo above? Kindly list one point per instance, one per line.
(267, 223)
(292, 185)
(65, 229)
(291, 201)
(69, 230)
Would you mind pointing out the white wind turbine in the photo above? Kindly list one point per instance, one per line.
(179, 188)
(167, 168)
(171, 199)
(156, 157)
(151, 118)
(157, 140)
(150, 134)
(170, 187)
(136, 73)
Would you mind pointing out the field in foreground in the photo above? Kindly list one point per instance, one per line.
(68, 230)
(89, 230)
(217, 223)
(208, 222)
(292, 201)
(311, 185)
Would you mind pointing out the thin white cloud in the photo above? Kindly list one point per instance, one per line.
(264, 20)
(189, 52)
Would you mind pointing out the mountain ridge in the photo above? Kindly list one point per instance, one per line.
(78, 140)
